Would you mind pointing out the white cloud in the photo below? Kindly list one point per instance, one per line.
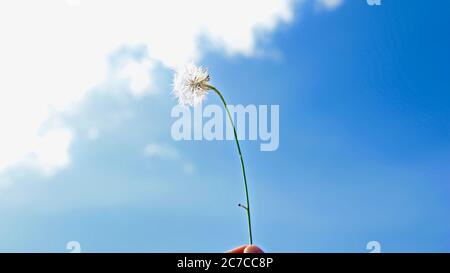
(47, 152)
(168, 152)
(51, 151)
(329, 4)
(162, 151)
(73, 2)
(53, 52)
(138, 74)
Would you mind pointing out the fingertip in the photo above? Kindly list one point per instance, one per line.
(238, 249)
(253, 249)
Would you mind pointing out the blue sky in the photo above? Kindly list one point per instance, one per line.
(363, 156)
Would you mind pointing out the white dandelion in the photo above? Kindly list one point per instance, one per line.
(191, 84)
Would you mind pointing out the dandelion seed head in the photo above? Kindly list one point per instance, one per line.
(191, 84)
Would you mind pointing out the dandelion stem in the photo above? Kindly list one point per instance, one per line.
(247, 207)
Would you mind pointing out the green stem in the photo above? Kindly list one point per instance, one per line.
(247, 207)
